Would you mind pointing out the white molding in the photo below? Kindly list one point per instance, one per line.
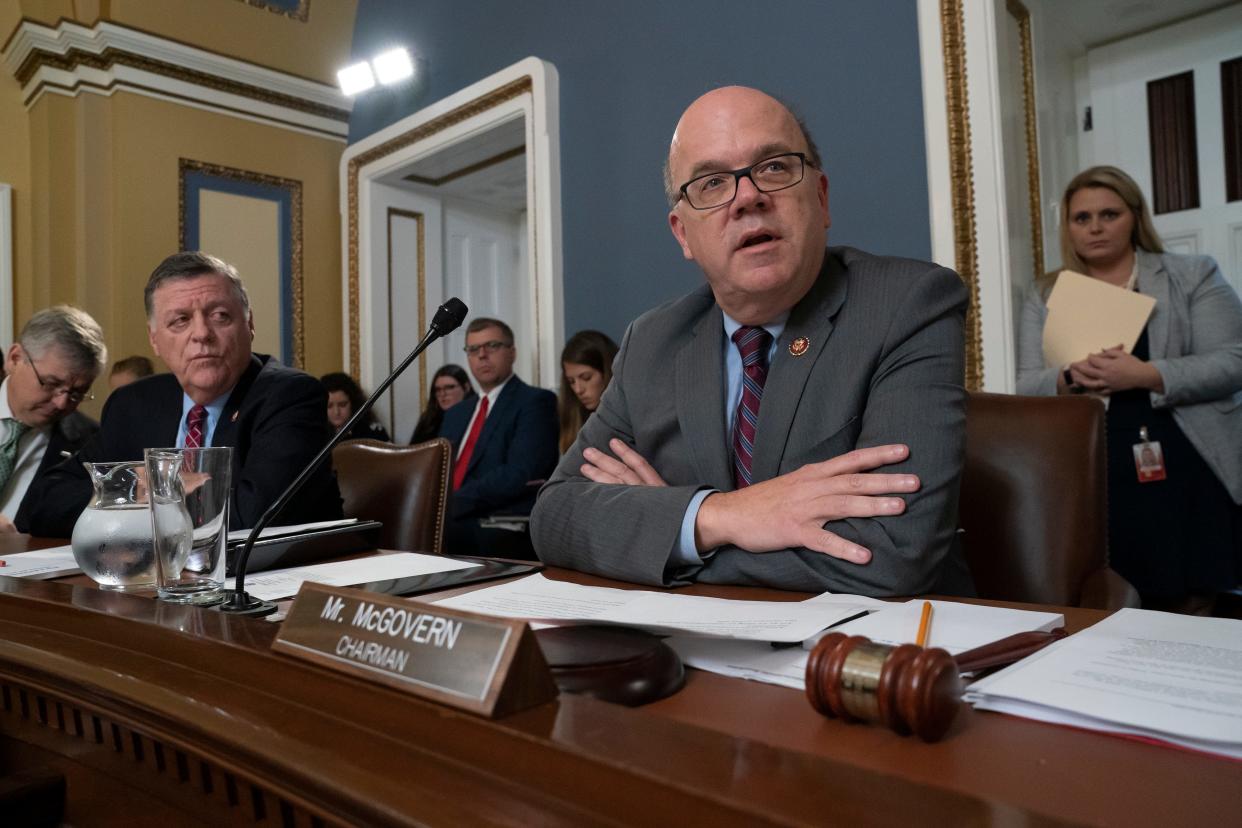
(540, 109)
(8, 307)
(32, 37)
(987, 140)
(936, 135)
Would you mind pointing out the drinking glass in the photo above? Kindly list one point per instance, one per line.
(189, 495)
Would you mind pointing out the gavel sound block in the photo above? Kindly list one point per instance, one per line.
(906, 688)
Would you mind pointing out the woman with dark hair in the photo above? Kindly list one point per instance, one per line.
(449, 386)
(586, 368)
(344, 398)
(1174, 427)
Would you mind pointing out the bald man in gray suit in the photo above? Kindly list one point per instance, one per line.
(799, 421)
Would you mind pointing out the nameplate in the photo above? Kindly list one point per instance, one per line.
(489, 666)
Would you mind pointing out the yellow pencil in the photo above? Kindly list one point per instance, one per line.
(924, 624)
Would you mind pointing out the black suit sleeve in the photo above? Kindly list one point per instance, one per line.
(276, 439)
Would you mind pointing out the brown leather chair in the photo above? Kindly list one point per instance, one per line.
(403, 487)
(1034, 504)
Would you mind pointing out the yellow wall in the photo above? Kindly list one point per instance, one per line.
(96, 178)
(315, 49)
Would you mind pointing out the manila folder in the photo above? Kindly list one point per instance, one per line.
(1086, 316)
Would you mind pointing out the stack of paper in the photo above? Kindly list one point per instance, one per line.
(539, 599)
(955, 627)
(40, 564)
(1171, 678)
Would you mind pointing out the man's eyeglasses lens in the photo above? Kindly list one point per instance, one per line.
(769, 175)
(491, 347)
(74, 396)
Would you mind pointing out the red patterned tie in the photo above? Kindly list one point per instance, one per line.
(753, 343)
(195, 427)
(463, 460)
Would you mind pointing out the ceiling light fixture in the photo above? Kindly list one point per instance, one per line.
(356, 78)
(393, 66)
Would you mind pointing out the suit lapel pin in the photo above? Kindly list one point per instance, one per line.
(799, 346)
(233, 419)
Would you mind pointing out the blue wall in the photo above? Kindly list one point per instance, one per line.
(627, 70)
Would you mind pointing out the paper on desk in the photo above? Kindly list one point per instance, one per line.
(751, 660)
(954, 626)
(284, 583)
(1086, 315)
(541, 599)
(1173, 678)
(293, 529)
(40, 564)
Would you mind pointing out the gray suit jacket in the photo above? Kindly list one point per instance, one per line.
(885, 365)
(1195, 341)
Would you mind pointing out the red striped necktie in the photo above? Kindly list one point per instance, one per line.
(753, 344)
(196, 427)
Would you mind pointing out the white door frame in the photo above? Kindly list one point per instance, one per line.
(528, 88)
(970, 233)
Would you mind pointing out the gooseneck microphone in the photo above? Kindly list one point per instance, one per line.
(448, 318)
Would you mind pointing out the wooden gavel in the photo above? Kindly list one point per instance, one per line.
(906, 688)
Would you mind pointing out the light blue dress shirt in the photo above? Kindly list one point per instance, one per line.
(685, 553)
(214, 409)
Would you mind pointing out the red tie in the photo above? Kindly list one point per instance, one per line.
(463, 460)
(195, 426)
(753, 343)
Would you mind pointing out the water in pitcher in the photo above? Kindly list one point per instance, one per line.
(113, 545)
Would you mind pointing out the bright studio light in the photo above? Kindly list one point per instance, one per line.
(356, 78)
(393, 66)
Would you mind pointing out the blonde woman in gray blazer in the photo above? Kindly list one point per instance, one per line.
(1175, 527)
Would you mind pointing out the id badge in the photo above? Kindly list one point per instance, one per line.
(1149, 461)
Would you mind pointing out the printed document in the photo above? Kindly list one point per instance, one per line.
(40, 564)
(955, 627)
(538, 598)
(1172, 678)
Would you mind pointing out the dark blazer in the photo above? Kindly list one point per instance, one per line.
(274, 420)
(68, 435)
(883, 363)
(517, 445)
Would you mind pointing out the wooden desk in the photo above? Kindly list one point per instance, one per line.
(158, 713)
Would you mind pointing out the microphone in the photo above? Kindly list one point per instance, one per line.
(447, 319)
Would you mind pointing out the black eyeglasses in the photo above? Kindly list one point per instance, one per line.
(52, 389)
(716, 189)
(491, 347)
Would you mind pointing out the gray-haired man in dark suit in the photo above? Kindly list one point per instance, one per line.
(799, 421)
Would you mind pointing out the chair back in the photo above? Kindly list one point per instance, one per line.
(1034, 503)
(403, 487)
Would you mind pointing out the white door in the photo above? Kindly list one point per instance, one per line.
(406, 287)
(1118, 75)
(485, 267)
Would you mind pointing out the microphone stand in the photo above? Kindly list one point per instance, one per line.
(237, 601)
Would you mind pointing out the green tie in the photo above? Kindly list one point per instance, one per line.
(8, 448)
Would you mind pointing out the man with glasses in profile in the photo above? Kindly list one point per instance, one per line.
(504, 445)
(799, 421)
(48, 373)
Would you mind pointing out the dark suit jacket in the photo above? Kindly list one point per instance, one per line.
(517, 445)
(275, 421)
(884, 365)
(68, 435)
